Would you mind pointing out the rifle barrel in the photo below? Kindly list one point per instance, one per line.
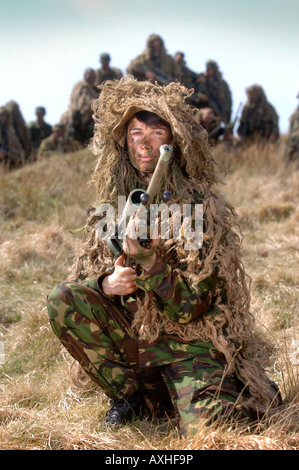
(165, 154)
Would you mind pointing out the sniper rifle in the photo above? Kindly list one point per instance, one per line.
(140, 200)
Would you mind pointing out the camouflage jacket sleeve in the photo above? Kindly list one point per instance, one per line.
(174, 296)
(96, 283)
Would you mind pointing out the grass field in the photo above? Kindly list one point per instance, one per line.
(40, 407)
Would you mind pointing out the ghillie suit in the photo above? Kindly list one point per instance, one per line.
(292, 150)
(183, 74)
(162, 64)
(12, 152)
(78, 118)
(20, 128)
(259, 119)
(209, 304)
(219, 94)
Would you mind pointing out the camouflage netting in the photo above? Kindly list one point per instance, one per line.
(193, 171)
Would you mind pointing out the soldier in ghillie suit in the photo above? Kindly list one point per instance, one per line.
(78, 118)
(183, 74)
(174, 332)
(58, 142)
(12, 154)
(154, 63)
(20, 127)
(106, 72)
(213, 125)
(259, 120)
(214, 92)
(292, 150)
(39, 129)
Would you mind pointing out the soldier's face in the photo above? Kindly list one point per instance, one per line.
(90, 76)
(144, 144)
(211, 71)
(253, 96)
(156, 46)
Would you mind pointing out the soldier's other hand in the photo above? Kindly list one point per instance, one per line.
(150, 75)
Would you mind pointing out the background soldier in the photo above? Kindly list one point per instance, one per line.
(213, 91)
(154, 63)
(12, 154)
(78, 118)
(213, 125)
(259, 120)
(182, 73)
(39, 129)
(106, 72)
(20, 127)
(58, 142)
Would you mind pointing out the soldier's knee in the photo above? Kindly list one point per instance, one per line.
(56, 300)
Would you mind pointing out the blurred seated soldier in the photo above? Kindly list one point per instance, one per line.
(212, 124)
(58, 142)
(20, 127)
(259, 120)
(182, 73)
(39, 129)
(106, 72)
(78, 118)
(200, 97)
(11, 151)
(292, 150)
(153, 64)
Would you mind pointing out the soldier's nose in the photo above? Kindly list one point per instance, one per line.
(145, 144)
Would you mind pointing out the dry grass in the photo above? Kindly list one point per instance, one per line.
(40, 406)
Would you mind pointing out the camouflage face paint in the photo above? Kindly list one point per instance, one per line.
(144, 144)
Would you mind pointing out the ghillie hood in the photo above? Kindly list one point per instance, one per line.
(118, 102)
(148, 50)
(217, 72)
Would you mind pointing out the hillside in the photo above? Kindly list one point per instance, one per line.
(40, 407)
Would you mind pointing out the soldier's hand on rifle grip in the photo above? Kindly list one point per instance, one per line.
(145, 257)
(121, 281)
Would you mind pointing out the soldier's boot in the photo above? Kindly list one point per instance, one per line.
(124, 410)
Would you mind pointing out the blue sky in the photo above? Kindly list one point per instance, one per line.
(45, 45)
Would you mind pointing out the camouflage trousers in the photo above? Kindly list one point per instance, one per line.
(98, 334)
